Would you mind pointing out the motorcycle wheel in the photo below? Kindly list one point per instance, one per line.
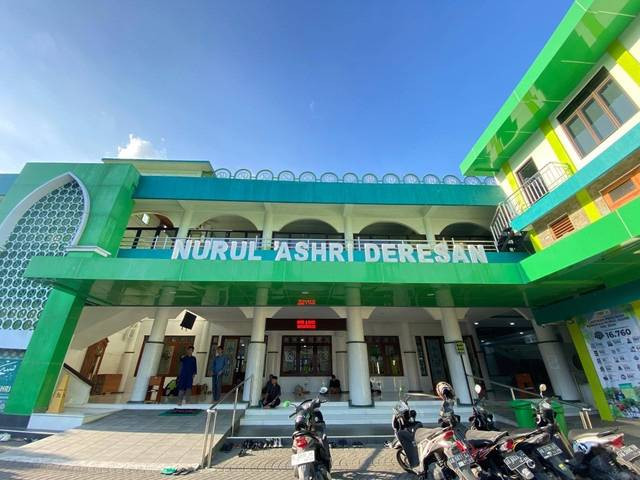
(403, 461)
(307, 472)
(322, 474)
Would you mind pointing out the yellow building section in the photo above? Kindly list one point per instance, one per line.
(623, 57)
(556, 145)
(588, 205)
(513, 183)
(535, 241)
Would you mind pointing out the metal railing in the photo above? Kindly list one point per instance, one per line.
(210, 427)
(547, 179)
(167, 243)
(584, 408)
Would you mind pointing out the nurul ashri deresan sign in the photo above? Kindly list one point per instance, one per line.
(315, 251)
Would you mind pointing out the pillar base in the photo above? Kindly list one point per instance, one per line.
(372, 404)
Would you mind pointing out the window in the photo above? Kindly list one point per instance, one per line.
(596, 112)
(174, 347)
(306, 356)
(384, 356)
(421, 358)
(561, 226)
(623, 190)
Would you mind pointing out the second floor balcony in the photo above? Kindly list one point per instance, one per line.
(532, 189)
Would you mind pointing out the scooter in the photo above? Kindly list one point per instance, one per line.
(480, 418)
(432, 453)
(311, 457)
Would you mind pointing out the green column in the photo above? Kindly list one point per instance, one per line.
(44, 357)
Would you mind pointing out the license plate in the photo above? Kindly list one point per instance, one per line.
(549, 450)
(460, 460)
(629, 453)
(515, 460)
(301, 458)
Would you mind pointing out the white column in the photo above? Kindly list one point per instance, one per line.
(273, 352)
(257, 348)
(126, 361)
(359, 388)
(185, 223)
(428, 228)
(458, 364)
(347, 224)
(203, 342)
(484, 370)
(151, 355)
(408, 345)
(267, 226)
(340, 371)
(555, 362)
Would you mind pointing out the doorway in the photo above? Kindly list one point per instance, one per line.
(532, 183)
(93, 359)
(235, 348)
(437, 360)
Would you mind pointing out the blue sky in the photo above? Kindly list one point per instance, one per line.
(335, 85)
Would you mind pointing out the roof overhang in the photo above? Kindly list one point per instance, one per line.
(575, 46)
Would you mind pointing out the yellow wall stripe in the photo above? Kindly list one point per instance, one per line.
(535, 241)
(623, 57)
(590, 371)
(588, 205)
(513, 183)
(556, 145)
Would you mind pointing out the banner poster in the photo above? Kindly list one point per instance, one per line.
(613, 339)
(9, 362)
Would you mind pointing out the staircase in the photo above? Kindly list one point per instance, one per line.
(340, 413)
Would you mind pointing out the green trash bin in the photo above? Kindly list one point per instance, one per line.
(560, 420)
(524, 413)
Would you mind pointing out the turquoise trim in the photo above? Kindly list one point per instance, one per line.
(608, 159)
(6, 180)
(234, 190)
(492, 257)
(590, 302)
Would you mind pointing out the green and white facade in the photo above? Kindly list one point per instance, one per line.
(401, 281)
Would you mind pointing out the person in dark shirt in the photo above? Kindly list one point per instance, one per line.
(219, 367)
(334, 385)
(272, 397)
(188, 370)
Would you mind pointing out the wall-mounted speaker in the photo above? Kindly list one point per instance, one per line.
(188, 320)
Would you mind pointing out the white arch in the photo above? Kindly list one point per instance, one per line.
(18, 211)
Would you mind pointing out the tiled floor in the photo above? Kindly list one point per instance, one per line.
(134, 439)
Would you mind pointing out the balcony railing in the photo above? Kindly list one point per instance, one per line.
(167, 243)
(547, 179)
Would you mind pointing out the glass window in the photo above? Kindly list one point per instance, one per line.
(581, 136)
(421, 360)
(596, 112)
(306, 356)
(617, 101)
(384, 355)
(622, 190)
(598, 119)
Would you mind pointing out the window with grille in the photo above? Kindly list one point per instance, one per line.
(561, 226)
(385, 358)
(306, 356)
(596, 112)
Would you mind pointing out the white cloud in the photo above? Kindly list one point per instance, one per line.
(140, 148)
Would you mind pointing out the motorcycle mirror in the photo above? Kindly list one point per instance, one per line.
(478, 389)
(543, 388)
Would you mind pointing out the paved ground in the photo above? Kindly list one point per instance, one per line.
(350, 464)
(129, 439)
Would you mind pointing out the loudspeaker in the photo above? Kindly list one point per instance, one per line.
(188, 320)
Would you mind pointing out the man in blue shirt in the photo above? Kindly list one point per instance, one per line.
(219, 367)
(188, 370)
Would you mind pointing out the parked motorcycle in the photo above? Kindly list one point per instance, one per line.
(432, 453)
(480, 418)
(311, 457)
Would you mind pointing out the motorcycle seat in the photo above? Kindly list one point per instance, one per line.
(479, 438)
(425, 433)
(580, 433)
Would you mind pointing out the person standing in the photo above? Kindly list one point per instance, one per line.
(219, 367)
(188, 370)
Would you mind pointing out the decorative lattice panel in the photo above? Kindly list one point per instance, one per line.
(47, 228)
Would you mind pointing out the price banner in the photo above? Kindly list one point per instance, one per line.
(613, 340)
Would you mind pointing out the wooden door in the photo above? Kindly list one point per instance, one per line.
(93, 359)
